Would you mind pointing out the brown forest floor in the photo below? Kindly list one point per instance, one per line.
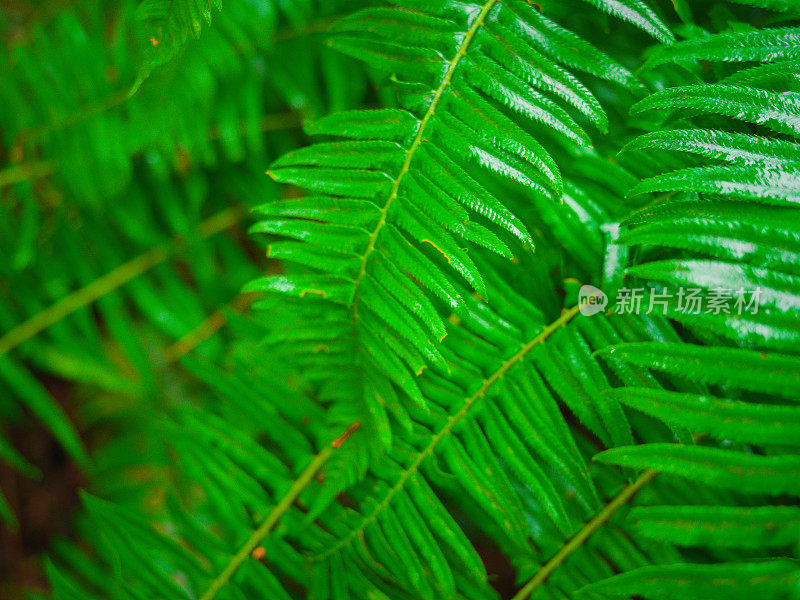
(44, 508)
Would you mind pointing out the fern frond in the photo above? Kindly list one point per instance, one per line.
(217, 112)
(758, 171)
(716, 467)
(696, 526)
(518, 404)
(718, 417)
(638, 13)
(764, 237)
(737, 148)
(767, 45)
(167, 26)
(779, 112)
(408, 187)
(238, 484)
(771, 579)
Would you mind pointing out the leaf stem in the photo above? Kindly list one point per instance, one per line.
(546, 332)
(208, 327)
(24, 172)
(447, 77)
(277, 512)
(627, 493)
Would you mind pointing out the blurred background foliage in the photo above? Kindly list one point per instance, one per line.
(133, 141)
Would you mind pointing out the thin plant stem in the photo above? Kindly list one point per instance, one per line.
(111, 281)
(285, 503)
(576, 541)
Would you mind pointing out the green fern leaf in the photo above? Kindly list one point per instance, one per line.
(431, 169)
(167, 26)
(36, 398)
(780, 76)
(780, 186)
(716, 467)
(638, 13)
(769, 580)
(736, 148)
(767, 45)
(763, 239)
(719, 526)
(779, 112)
(772, 373)
(723, 419)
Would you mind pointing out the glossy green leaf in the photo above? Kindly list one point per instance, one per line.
(779, 186)
(767, 580)
(719, 526)
(779, 112)
(716, 467)
(765, 372)
(723, 419)
(379, 124)
(722, 145)
(757, 46)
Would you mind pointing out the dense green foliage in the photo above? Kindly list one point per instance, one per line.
(417, 380)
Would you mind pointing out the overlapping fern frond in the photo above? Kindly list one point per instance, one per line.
(479, 464)
(404, 189)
